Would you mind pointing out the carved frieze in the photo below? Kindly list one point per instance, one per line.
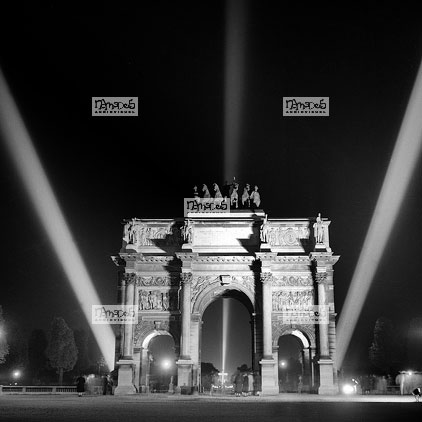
(158, 280)
(287, 236)
(138, 233)
(292, 300)
(293, 280)
(158, 300)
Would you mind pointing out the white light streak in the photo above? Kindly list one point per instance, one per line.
(234, 81)
(34, 178)
(404, 158)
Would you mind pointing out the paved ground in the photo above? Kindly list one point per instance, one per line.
(163, 408)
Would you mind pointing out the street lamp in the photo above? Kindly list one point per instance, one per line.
(166, 364)
(16, 374)
(283, 363)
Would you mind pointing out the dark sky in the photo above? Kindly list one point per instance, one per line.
(171, 55)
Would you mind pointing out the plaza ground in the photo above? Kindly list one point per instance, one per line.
(164, 408)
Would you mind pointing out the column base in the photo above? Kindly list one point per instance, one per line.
(184, 375)
(125, 378)
(124, 390)
(269, 385)
(326, 378)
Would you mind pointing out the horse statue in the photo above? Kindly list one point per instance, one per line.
(218, 195)
(206, 196)
(234, 197)
(246, 202)
(255, 197)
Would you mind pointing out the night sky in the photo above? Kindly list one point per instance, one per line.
(171, 56)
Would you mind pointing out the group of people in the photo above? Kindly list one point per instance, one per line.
(106, 383)
(250, 198)
(245, 383)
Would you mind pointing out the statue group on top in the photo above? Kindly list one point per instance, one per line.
(250, 198)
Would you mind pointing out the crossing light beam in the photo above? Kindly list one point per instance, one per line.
(40, 192)
(403, 162)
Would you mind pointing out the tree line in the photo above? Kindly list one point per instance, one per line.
(50, 357)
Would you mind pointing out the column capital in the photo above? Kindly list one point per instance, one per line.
(267, 278)
(321, 277)
(323, 259)
(129, 278)
(186, 278)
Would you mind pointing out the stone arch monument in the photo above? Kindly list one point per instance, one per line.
(281, 269)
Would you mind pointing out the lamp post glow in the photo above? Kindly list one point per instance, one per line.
(166, 364)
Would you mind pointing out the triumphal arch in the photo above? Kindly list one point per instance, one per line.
(281, 269)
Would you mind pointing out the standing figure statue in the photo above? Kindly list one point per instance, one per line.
(246, 202)
(195, 192)
(319, 230)
(234, 197)
(264, 230)
(187, 231)
(255, 197)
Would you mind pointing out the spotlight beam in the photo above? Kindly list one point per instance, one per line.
(234, 81)
(403, 162)
(40, 192)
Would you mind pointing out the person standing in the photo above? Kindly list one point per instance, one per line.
(80, 385)
(245, 385)
(250, 384)
(238, 381)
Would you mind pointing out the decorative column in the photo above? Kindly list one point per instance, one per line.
(126, 363)
(184, 364)
(324, 261)
(144, 383)
(268, 364)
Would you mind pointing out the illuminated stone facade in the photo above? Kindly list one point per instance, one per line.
(270, 265)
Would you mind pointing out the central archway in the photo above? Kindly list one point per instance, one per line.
(226, 337)
(225, 311)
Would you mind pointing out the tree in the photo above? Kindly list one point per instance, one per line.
(37, 360)
(384, 350)
(208, 374)
(4, 346)
(414, 344)
(61, 350)
(81, 341)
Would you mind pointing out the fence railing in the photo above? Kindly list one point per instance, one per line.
(37, 389)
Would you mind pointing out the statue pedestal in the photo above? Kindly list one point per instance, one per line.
(125, 378)
(265, 247)
(187, 247)
(269, 385)
(326, 377)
